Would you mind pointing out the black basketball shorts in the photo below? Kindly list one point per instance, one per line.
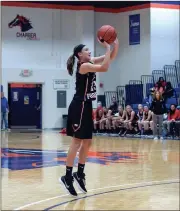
(80, 121)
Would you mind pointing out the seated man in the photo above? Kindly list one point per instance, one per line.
(114, 106)
(169, 91)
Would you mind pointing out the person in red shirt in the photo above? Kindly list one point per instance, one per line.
(179, 115)
(178, 124)
(160, 85)
(173, 116)
(95, 111)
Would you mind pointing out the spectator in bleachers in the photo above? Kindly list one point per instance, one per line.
(147, 121)
(171, 124)
(140, 117)
(158, 108)
(114, 106)
(169, 91)
(118, 119)
(131, 120)
(160, 85)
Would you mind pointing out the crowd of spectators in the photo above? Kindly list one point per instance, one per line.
(153, 119)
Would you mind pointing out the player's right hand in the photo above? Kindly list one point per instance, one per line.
(104, 43)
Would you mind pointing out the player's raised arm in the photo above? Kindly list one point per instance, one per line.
(89, 67)
(113, 55)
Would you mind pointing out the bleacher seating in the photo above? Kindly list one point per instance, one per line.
(158, 73)
(137, 91)
(121, 93)
(171, 100)
(177, 66)
(171, 74)
(148, 82)
(108, 97)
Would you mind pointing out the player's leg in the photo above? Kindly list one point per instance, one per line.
(85, 133)
(151, 126)
(103, 125)
(130, 127)
(67, 180)
(73, 125)
(79, 176)
(114, 123)
(146, 127)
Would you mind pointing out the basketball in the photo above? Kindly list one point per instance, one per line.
(107, 33)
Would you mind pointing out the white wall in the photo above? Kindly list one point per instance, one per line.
(164, 37)
(132, 60)
(59, 31)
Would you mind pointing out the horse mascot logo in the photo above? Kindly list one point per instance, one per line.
(22, 22)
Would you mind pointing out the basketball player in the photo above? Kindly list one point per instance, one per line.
(140, 117)
(119, 118)
(103, 120)
(99, 115)
(147, 120)
(80, 122)
(131, 120)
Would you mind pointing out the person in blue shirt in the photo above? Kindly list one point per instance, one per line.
(4, 111)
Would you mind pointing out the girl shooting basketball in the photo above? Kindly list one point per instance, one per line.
(80, 122)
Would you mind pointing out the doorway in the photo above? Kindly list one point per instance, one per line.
(25, 106)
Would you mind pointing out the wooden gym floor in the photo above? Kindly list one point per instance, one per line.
(122, 174)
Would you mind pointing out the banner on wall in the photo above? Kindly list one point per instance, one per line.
(134, 29)
(23, 25)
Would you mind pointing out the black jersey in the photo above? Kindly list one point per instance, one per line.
(105, 114)
(135, 116)
(85, 86)
(140, 115)
(120, 114)
(146, 114)
(129, 115)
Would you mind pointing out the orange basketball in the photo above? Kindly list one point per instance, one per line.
(107, 33)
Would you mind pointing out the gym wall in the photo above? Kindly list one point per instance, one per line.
(58, 30)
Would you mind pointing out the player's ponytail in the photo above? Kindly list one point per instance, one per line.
(70, 64)
(71, 60)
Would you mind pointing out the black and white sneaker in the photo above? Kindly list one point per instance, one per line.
(68, 185)
(80, 181)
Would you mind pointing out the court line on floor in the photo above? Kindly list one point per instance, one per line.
(33, 138)
(132, 184)
(111, 191)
